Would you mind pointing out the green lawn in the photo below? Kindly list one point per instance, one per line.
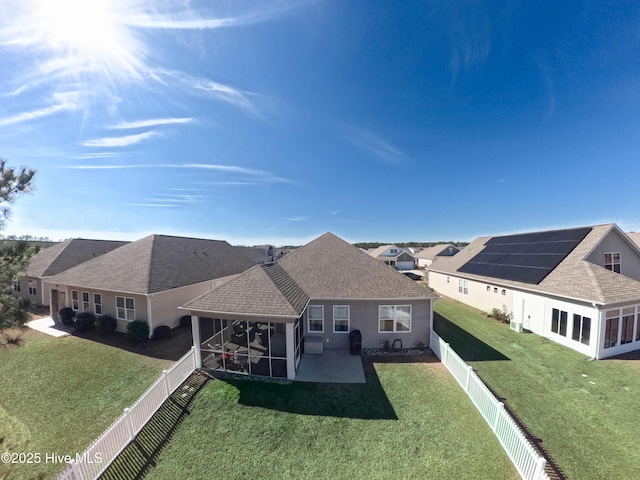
(410, 420)
(586, 412)
(58, 394)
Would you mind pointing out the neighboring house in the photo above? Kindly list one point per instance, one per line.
(260, 254)
(397, 257)
(579, 287)
(56, 259)
(635, 236)
(262, 321)
(147, 279)
(427, 256)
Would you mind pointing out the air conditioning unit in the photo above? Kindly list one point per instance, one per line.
(515, 325)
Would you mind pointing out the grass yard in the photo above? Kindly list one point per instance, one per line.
(586, 412)
(58, 394)
(410, 420)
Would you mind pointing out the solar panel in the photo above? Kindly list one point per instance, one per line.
(526, 257)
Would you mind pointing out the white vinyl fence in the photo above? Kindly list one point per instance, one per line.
(106, 448)
(528, 462)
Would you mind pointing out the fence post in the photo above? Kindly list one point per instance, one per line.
(498, 415)
(76, 471)
(165, 380)
(540, 464)
(444, 355)
(127, 418)
(193, 357)
(466, 384)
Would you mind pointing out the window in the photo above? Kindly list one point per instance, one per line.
(85, 302)
(463, 286)
(488, 288)
(504, 292)
(627, 325)
(559, 322)
(97, 303)
(394, 318)
(16, 286)
(315, 316)
(32, 287)
(612, 261)
(126, 308)
(611, 328)
(495, 289)
(394, 250)
(581, 329)
(341, 318)
(75, 300)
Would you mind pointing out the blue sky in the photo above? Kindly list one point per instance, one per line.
(275, 122)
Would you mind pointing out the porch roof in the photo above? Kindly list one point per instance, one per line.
(261, 290)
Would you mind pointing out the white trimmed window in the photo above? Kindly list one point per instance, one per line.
(463, 286)
(86, 306)
(612, 261)
(125, 308)
(341, 318)
(394, 318)
(75, 300)
(97, 303)
(315, 317)
(32, 287)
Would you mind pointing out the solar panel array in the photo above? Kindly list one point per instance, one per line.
(526, 257)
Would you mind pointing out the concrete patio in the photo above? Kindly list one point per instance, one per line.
(333, 366)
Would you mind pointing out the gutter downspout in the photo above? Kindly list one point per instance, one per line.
(149, 315)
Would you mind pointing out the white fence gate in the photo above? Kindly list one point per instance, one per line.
(528, 462)
(95, 459)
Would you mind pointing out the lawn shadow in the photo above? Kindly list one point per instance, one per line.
(346, 400)
(468, 347)
(172, 348)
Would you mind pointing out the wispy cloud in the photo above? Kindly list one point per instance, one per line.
(120, 141)
(255, 175)
(153, 205)
(60, 102)
(374, 145)
(295, 219)
(212, 89)
(154, 122)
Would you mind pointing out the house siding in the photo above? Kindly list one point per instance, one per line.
(364, 317)
(164, 305)
(108, 302)
(613, 242)
(36, 299)
(477, 295)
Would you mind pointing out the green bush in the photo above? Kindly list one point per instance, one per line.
(66, 316)
(84, 321)
(138, 330)
(106, 324)
(161, 332)
(501, 315)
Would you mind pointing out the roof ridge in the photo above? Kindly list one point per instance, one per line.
(62, 249)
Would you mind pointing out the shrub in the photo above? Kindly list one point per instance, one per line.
(84, 321)
(500, 315)
(138, 330)
(66, 316)
(106, 324)
(185, 321)
(161, 332)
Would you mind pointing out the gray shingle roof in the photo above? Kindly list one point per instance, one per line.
(326, 268)
(157, 263)
(261, 290)
(574, 277)
(437, 250)
(329, 267)
(68, 254)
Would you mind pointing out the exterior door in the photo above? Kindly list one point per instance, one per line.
(58, 302)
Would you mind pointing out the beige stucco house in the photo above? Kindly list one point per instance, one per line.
(578, 287)
(147, 279)
(262, 321)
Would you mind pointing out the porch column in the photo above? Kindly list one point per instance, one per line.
(195, 332)
(291, 351)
